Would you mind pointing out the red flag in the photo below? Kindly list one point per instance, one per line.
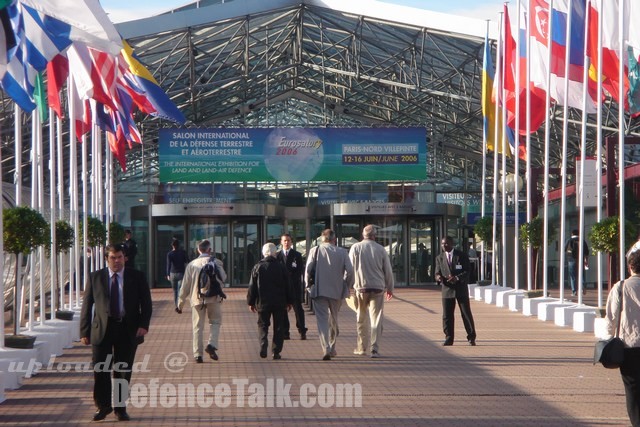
(117, 146)
(57, 73)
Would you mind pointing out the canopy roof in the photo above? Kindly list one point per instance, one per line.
(310, 63)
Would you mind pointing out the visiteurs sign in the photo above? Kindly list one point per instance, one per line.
(292, 154)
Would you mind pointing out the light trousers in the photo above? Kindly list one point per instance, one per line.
(327, 310)
(369, 320)
(213, 312)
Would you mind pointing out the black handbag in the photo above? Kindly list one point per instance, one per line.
(610, 353)
(311, 276)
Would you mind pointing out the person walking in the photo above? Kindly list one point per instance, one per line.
(332, 275)
(130, 249)
(201, 308)
(572, 250)
(115, 317)
(177, 260)
(373, 285)
(292, 260)
(452, 273)
(629, 332)
(269, 295)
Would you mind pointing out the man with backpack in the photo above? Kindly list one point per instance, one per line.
(572, 250)
(202, 284)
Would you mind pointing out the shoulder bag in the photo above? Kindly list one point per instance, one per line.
(611, 352)
(311, 276)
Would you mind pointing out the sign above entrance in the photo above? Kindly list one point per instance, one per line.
(292, 154)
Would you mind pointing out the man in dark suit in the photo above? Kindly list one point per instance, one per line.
(120, 320)
(292, 259)
(452, 272)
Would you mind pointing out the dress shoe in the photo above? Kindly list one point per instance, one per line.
(122, 415)
(276, 356)
(211, 351)
(374, 354)
(287, 337)
(447, 343)
(102, 413)
(326, 357)
(472, 342)
(199, 359)
(303, 336)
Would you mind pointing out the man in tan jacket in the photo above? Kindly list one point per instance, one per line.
(211, 308)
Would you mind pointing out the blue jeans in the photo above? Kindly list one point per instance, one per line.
(176, 282)
(572, 266)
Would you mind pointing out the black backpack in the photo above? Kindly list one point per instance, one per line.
(209, 281)
(573, 247)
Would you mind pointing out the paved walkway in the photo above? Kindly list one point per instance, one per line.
(523, 372)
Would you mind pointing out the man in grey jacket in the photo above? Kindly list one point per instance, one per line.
(333, 278)
(373, 284)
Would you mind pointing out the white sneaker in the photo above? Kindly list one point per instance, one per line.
(359, 352)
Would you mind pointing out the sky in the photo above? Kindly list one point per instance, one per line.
(127, 10)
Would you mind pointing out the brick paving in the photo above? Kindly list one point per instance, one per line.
(523, 372)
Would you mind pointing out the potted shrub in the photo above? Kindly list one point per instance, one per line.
(96, 232)
(532, 235)
(24, 230)
(605, 237)
(65, 237)
(116, 233)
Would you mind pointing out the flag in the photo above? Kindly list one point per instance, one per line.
(40, 96)
(489, 111)
(574, 53)
(514, 53)
(148, 89)
(7, 36)
(117, 147)
(83, 21)
(610, 47)
(57, 73)
(633, 97)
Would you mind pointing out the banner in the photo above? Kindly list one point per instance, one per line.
(292, 154)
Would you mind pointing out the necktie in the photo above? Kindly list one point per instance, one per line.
(114, 303)
(286, 254)
(449, 258)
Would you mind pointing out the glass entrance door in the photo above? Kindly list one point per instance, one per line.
(246, 244)
(166, 231)
(424, 248)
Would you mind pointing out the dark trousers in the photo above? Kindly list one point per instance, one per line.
(264, 321)
(299, 312)
(115, 349)
(630, 372)
(448, 309)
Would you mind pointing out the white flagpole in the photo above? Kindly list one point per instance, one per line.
(530, 184)
(547, 132)
(73, 193)
(583, 156)
(60, 163)
(18, 293)
(85, 212)
(565, 138)
(498, 132)
(52, 217)
(516, 162)
(505, 147)
(621, 184)
(484, 175)
(599, 151)
(40, 204)
(34, 205)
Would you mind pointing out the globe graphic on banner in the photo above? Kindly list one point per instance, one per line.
(293, 154)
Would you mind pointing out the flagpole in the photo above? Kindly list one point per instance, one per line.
(547, 131)
(516, 161)
(621, 132)
(565, 137)
(583, 155)
(599, 150)
(52, 217)
(530, 184)
(505, 147)
(483, 184)
(497, 133)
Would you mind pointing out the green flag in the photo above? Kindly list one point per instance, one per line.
(40, 96)
(634, 83)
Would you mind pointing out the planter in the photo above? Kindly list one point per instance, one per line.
(64, 314)
(533, 294)
(484, 282)
(19, 341)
